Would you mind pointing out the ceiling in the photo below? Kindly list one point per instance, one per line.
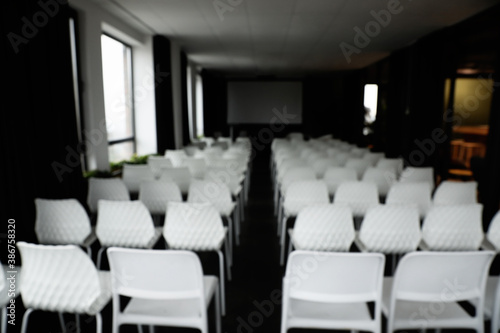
(291, 37)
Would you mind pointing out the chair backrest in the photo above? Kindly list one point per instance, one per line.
(61, 221)
(157, 275)
(320, 165)
(179, 175)
(335, 277)
(197, 166)
(493, 234)
(107, 189)
(334, 176)
(156, 193)
(156, 163)
(391, 229)
(359, 164)
(294, 174)
(357, 152)
(124, 223)
(193, 226)
(455, 193)
(441, 277)
(396, 164)
(384, 178)
(360, 196)
(176, 156)
(324, 228)
(453, 227)
(134, 174)
(411, 193)
(57, 278)
(288, 164)
(216, 193)
(307, 191)
(418, 174)
(374, 158)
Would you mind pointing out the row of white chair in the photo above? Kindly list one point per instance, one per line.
(334, 291)
(165, 287)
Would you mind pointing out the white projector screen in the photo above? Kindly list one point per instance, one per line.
(258, 102)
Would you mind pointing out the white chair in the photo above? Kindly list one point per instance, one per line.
(322, 228)
(395, 164)
(63, 221)
(453, 228)
(179, 175)
(492, 238)
(234, 182)
(359, 165)
(155, 195)
(63, 279)
(334, 176)
(165, 287)
(197, 166)
(156, 163)
(320, 165)
(219, 195)
(384, 178)
(7, 276)
(411, 193)
(418, 174)
(125, 224)
(455, 193)
(427, 287)
(198, 227)
(492, 303)
(374, 158)
(332, 290)
(176, 156)
(293, 174)
(359, 196)
(134, 174)
(107, 189)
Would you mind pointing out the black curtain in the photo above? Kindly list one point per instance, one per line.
(318, 115)
(165, 136)
(39, 142)
(214, 104)
(186, 139)
(352, 117)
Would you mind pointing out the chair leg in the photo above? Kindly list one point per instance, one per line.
(230, 237)
(89, 251)
(139, 328)
(77, 318)
(24, 325)
(236, 227)
(218, 326)
(61, 321)
(151, 329)
(98, 323)
(4, 319)
(242, 207)
(222, 282)
(280, 217)
(99, 256)
(290, 247)
(283, 242)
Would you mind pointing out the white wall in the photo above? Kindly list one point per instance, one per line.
(93, 20)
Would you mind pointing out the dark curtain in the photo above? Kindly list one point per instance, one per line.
(353, 113)
(39, 139)
(214, 104)
(319, 107)
(165, 137)
(186, 139)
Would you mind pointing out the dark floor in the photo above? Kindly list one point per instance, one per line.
(253, 295)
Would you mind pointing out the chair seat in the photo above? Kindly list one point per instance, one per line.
(178, 312)
(424, 315)
(328, 316)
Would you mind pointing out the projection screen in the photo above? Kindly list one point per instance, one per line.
(258, 102)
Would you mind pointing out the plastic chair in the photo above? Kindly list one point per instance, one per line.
(455, 193)
(299, 195)
(492, 239)
(156, 163)
(6, 294)
(197, 166)
(165, 287)
(133, 175)
(63, 279)
(427, 287)
(322, 164)
(383, 178)
(219, 195)
(179, 175)
(374, 158)
(235, 183)
(453, 228)
(359, 165)
(63, 221)
(418, 174)
(322, 228)
(198, 227)
(107, 189)
(410, 194)
(492, 303)
(395, 164)
(332, 291)
(292, 175)
(334, 176)
(359, 196)
(156, 194)
(125, 224)
(176, 156)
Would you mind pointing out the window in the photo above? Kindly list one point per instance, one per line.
(370, 103)
(118, 98)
